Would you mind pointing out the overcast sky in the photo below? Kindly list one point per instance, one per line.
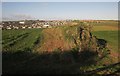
(59, 10)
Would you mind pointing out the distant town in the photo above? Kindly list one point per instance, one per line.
(29, 24)
(32, 24)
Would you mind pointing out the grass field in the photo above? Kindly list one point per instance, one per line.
(52, 50)
(112, 39)
(14, 40)
(109, 31)
(110, 36)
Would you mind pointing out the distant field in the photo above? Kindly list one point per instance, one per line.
(105, 26)
(105, 23)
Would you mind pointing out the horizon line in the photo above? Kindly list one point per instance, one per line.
(59, 19)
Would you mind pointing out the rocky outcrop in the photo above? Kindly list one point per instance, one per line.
(86, 41)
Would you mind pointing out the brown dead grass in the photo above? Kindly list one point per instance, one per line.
(105, 28)
(54, 39)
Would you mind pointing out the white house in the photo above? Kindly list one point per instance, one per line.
(23, 27)
(21, 22)
(8, 28)
(38, 27)
(46, 26)
(1, 26)
(29, 27)
(15, 27)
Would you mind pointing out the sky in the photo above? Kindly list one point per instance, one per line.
(60, 0)
(59, 10)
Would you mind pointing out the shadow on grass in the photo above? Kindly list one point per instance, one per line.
(56, 62)
(102, 42)
(115, 66)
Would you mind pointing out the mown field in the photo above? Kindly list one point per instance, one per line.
(53, 51)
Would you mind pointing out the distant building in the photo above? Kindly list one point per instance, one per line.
(46, 26)
(1, 26)
(8, 28)
(23, 27)
(29, 27)
(15, 27)
(38, 27)
(21, 22)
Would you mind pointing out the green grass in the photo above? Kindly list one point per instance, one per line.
(110, 36)
(14, 40)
